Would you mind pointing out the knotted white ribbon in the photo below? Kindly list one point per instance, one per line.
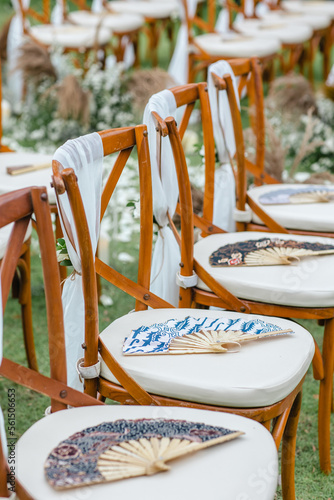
(224, 200)
(166, 255)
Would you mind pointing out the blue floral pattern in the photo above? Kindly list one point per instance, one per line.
(157, 337)
(282, 196)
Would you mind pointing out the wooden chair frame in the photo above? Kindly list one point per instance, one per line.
(19, 207)
(201, 59)
(44, 18)
(284, 414)
(257, 119)
(323, 364)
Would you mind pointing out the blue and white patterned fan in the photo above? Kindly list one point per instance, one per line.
(196, 335)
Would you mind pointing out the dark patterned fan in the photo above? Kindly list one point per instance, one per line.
(266, 252)
(127, 448)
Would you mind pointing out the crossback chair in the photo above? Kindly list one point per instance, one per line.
(124, 28)
(314, 219)
(206, 48)
(173, 380)
(301, 291)
(322, 33)
(70, 38)
(246, 455)
(300, 36)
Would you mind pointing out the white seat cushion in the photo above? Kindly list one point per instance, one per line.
(310, 7)
(262, 373)
(38, 178)
(156, 10)
(314, 20)
(230, 466)
(285, 34)
(118, 23)
(71, 36)
(310, 283)
(305, 217)
(4, 237)
(237, 45)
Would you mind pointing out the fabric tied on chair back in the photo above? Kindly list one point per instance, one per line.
(166, 255)
(224, 199)
(85, 156)
(179, 65)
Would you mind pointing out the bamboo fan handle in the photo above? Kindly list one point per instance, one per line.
(24, 169)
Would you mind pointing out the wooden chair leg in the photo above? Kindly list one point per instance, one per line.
(26, 309)
(289, 450)
(325, 397)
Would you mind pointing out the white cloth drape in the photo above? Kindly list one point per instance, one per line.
(85, 156)
(224, 201)
(14, 40)
(58, 14)
(166, 255)
(178, 67)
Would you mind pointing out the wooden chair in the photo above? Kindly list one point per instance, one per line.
(158, 19)
(300, 35)
(187, 381)
(124, 27)
(211, 46)
(284, 292)
(70, 38)
(256, 450)
(315, 219)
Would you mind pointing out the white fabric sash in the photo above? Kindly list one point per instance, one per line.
(224, 200)
(85, 156)
(58, 14)
(179, 65)
(166, 255)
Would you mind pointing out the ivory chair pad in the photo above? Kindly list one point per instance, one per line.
(39, 178)
(261, 374)
(315, 20)
(72, 36)
(156, 10)
(237, 46)
(4, 237)
(310, 283)
(115, 22)
(233, 468)
(309, 7)
(285, 34)
(307, 217)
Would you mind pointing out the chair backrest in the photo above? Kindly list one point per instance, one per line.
(189, 96)
(196, 21)
(120, 142)
(18, 207)
(42, 15)
(250, 74)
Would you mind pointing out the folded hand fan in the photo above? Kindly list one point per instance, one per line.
(266, 252)
(311, 194)
(197, 335)
(127, 448)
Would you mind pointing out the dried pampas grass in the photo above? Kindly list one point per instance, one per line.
(145, 82)
(291, 94)
(320, 178)
(73, 101)
(35, 62)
